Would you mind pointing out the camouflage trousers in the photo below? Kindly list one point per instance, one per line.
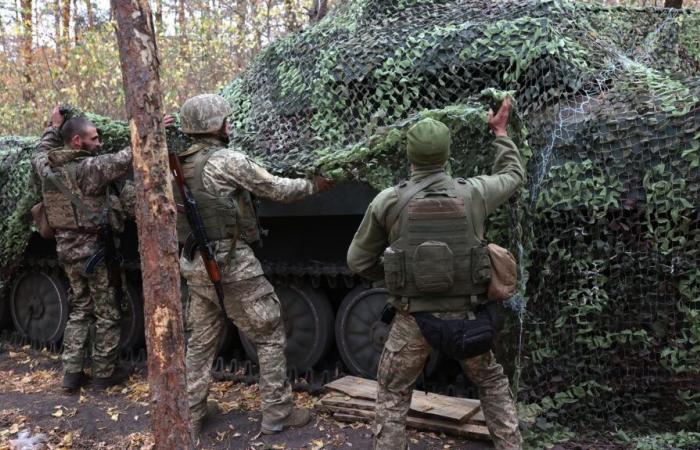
(255, 309)
(91, 302)
(405, 353)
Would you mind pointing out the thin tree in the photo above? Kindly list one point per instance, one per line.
(65, 17)
(155, 217)
(89, 13)
(290, 16)
(26, 48)
(318, 11)
(159, 15)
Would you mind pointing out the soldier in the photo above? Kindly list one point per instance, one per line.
(417, 280)
(74, 185)
(222, 180)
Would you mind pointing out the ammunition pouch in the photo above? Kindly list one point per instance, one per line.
(462, 339)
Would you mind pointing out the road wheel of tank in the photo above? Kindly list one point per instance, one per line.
(360, 334)
(132, 323)
(308, 323)
(39, 305)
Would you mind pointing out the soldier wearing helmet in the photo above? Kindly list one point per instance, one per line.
(222, 181)
(424, 237)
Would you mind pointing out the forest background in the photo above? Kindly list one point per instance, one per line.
(65, 51)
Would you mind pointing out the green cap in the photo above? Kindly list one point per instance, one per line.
(428, 143)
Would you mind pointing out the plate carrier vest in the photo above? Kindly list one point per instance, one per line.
(438, 253)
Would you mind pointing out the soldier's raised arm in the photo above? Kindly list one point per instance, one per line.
(229, 167)
(97, 173)
(508, 172)
(51, 139)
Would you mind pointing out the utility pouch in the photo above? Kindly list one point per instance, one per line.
(462, 339)
(433, 267)
(481, 265)
(504, 271)
(41, 221)
(394, 269)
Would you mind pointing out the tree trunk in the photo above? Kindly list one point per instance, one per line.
(159, 15)
(57, 20)
(182, 28)
(155, 217)
(65, 16)
(290, 17)
(319, 11)
(673, 4)
(90, 14)
(241, 17)
(26, 49)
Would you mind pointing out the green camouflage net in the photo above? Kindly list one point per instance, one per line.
(607, 229)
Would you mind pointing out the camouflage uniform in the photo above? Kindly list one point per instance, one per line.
(250, 300)
(406, 350)
(90, 298)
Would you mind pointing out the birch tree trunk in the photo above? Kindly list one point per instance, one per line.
(155, 217)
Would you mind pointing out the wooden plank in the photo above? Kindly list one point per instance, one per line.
(457, 409)
(337, 399)
(467, 430)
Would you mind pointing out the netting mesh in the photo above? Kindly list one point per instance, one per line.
(607, 229)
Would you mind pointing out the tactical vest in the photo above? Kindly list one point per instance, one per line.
(438, 253)
(227, 217)
(61, 212)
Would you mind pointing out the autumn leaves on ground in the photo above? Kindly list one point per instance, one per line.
(31, 400)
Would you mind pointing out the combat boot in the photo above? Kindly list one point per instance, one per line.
(298, 418)
(118, 376)
(74, 381)
(213, 409)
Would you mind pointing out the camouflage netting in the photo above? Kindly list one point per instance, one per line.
(608, 226)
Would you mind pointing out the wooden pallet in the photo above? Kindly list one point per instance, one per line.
(352, 399)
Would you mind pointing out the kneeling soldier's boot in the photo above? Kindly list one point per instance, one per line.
(298, 418)
(74, 381)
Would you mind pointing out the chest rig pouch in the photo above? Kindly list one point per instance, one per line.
(438, 253)
(224, 216)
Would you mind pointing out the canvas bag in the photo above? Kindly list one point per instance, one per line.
(504, 274)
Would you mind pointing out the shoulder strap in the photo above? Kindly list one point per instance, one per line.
(406, 197)
(74, 199)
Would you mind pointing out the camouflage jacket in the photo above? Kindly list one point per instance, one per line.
(374, 234)
(226, 171)
(93, 174)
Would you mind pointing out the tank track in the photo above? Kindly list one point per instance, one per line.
(244, 370)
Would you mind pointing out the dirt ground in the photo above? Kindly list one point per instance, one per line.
(32, 400)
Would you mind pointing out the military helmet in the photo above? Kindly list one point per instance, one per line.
(428, 143)
(204, 113)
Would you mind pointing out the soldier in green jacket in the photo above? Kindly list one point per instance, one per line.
(424, 237)
(222, 180)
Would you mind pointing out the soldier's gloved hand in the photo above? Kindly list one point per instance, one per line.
(323, 184)
(57, 118)
(498, 122)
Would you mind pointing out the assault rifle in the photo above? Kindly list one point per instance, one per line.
(108, 252)
(198, 234)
